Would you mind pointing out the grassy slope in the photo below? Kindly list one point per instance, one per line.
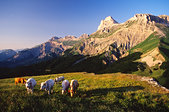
(106, 92)
(164, 44)
(150, 43)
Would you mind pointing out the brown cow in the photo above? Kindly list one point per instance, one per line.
(20, 80)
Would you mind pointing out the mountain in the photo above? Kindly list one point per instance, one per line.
(138, 46)
(108, 22)
(116, 39)
(50, 49)
(113, 40)
(6, 53)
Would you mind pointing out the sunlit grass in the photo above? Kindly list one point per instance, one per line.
(107, 92)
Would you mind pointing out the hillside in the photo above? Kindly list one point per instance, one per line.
(106, 92)
(6, 54)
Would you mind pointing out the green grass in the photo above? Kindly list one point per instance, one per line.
(130, 23)
(106, 92)
(147, 45)
(112, 30)
(70, 43)
(164, 41)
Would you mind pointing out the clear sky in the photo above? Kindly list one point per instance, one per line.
(27, 23)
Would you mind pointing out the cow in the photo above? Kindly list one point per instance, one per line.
(47, 85)
(59, 79)
(30, 84)
(20, 80)
(65, 86)
(73, 87)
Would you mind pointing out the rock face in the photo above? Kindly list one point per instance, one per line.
(163, 19)
(123, 36)
(84, 36)
(107, 23)
(153, 82)
(153, 57)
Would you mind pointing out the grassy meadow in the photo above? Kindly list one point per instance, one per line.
(104, 92)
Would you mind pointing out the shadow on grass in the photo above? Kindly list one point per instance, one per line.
(105, 91)
(165, 75)
(95, 65)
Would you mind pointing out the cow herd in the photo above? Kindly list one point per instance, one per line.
(48, 85)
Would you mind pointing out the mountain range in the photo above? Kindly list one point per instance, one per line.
(52, 48)
(140, 46)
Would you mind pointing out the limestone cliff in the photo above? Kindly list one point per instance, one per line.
(122, 36)
(107, 23)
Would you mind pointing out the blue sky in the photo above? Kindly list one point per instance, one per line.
(27, 23)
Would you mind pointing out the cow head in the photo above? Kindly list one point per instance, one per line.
(43, 86)
(24, 81)
(28, 84)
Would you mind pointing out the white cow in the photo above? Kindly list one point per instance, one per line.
(47, 85)
(30, 84)
(61, 78)
(73, 87)
(65, 86)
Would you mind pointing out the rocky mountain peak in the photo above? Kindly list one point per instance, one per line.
(84, 36)
(54, 38)
(148, 18)
(70, 37)
(165, 17)
(109, 18)
(107, 22)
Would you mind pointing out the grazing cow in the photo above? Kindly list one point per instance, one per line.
(65, 86)
(20, 80)
(59, 79)
(30, 84)
(47, 85)
(73, 87)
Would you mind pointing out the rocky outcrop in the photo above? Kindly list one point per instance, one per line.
(54, 38)
(84, 36)
(153, 82)
(107, 23)
(148, 18)
(153, 57)
(165, 18)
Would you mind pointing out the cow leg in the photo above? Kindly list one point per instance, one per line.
(51, 90)
(48, 92)
(28, 90)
